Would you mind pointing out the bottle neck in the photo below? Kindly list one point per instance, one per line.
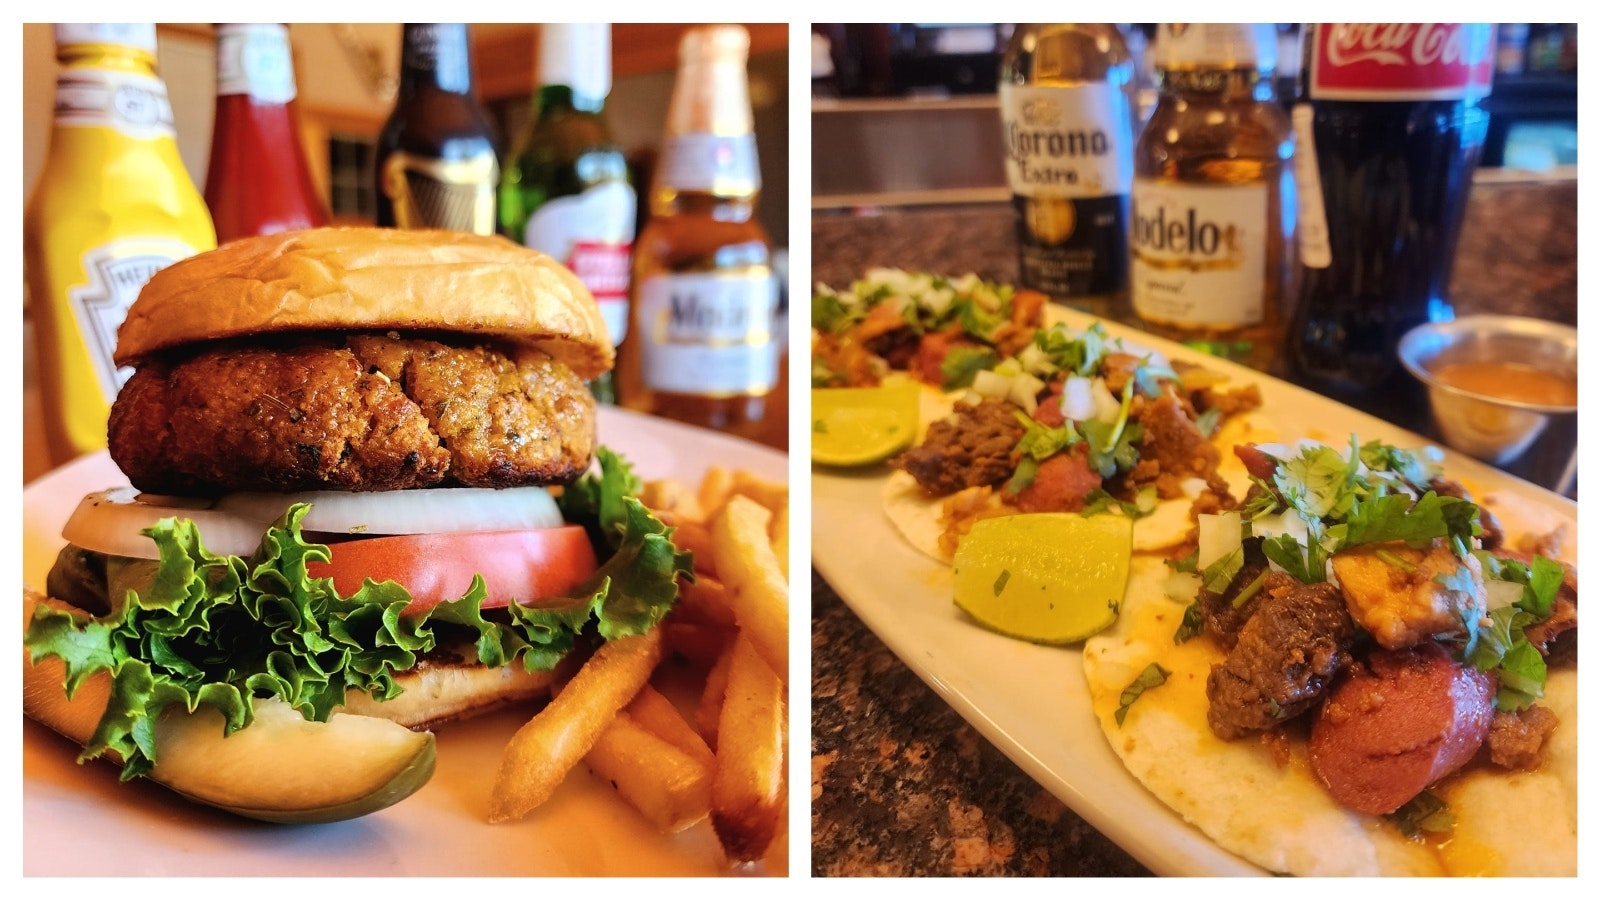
(1215, 83)
(106, 56)
(435, 57)
(253, 62)
(556, 99)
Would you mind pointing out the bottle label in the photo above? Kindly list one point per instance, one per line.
(1069, 161)
(591, 233)
(708, 334)
(255, 60)
(1401, 61)
(1313, 226)
(116, 272)
(717, 163)
(133, 104)
(453, 194)
(1199, 253)
(1067, 141)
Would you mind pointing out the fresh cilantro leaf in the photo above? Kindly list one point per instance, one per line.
(1208, 421)
(979, 322)
(1185, 563)
(962, 364)
(1153, 676)
(1423, 813)
(1192, 625)
(1220, 573)
(1305, 563)
(1320, 482)
(1394, 517)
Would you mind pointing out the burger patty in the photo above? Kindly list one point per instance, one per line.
(367, 412)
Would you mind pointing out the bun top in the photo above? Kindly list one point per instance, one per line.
(344, 279)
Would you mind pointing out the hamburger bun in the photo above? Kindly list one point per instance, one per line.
(380, 279)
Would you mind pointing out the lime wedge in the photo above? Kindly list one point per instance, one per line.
(862, 426)
(1051, 578)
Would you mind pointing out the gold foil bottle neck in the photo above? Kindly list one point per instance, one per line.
(712, 95)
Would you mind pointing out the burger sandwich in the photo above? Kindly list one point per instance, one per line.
(361, 490)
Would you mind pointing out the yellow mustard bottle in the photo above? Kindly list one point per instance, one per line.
(113, 205)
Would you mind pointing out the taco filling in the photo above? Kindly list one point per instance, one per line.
(1371, 680)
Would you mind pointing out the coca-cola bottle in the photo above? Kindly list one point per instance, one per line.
(1389, 132)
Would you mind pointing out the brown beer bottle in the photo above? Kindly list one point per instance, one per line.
(702, 347)
(1212, 221)
(437, 165)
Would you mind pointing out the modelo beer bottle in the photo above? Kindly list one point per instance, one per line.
(258, 181)
(1066, 106)
(566, 192)
(1213, 195)
(1390, 132)
(436, 164)
(702, 347)
(113, 206)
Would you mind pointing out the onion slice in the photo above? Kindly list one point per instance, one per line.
(416, 511)
(110, 521)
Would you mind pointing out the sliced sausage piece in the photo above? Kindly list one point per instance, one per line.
(1061, 484)
(1255, 461)
(1400, 723)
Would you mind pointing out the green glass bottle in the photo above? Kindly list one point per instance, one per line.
(565, 191)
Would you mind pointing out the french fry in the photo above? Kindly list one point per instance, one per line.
(757, 588)
(656, 714)
(747, 784)
(696, 538)
(697, 643)
(703, 601)
(714, 490)
(709, 712)
(542, 752)
(673, 497)
(780, 538)
(771, 494)
(669, 786)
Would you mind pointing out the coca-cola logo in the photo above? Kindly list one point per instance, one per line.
(1402, 44)
(1401, 61)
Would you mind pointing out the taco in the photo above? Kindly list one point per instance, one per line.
(1077, 421)
(938, 330)
(1360, 675)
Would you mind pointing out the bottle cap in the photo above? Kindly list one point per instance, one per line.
(578, 55)
(1213, 45)
(141, 36)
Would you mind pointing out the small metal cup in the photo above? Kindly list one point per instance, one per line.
(1491, 428)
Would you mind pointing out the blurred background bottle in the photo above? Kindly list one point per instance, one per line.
(702, 347)
(1213, 195)
(1067, 93)
(436, 161)
(1390, 133)
(566, 192)
(113, 205)
(258, 181)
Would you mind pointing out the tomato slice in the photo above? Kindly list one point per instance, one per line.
(525, 566)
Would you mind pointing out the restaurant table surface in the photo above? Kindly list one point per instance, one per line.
(901, 784)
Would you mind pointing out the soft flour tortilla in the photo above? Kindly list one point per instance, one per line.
(917, 516)
(1279, 817)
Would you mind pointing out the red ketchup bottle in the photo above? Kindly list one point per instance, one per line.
(258, 181)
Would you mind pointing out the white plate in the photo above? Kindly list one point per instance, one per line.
(78, 820)
(1031, 701)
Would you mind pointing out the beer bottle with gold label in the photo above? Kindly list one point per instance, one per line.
(702, 347)
(1213, 195)
(1066, 104)
(437, 164)
(113, 205)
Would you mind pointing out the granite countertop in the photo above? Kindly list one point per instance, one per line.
(901, 784)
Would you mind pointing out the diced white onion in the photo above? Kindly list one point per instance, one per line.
(1025, 391)
(1192, 487)
(1034, 360)
(991, 384)
(110, 521)
(1220, 535)
(420, 511)
(1288, 522)
(1010, 368)
(1077, 399)
(1106, 405)
(1500, 594)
